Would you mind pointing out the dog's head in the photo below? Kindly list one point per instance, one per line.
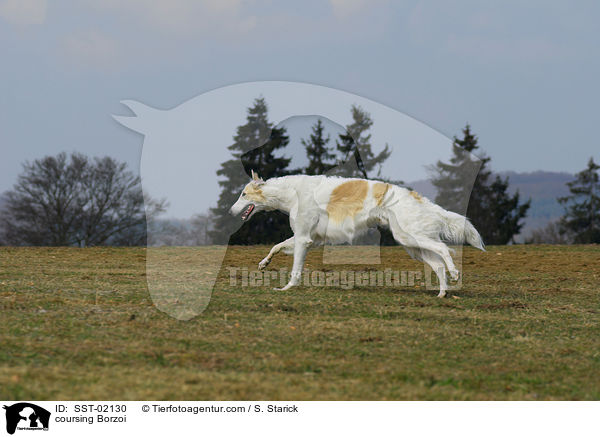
(252, 199)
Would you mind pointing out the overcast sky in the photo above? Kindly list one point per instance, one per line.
(523, 74)
(185, 146)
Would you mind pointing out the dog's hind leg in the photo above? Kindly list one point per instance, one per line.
(424, 243)
(436, 262)
(441, 250)
(284, 245)
(438, 248)
(415, 253)
(421, 248)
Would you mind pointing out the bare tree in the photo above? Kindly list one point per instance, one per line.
(75, 201)
(552, 233)
(201, 226)
(180, 232)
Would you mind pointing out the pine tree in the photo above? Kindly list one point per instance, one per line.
(254, 147)
(506, 212)
(355, 144)
(496, 215)
(318, 153)
(582, 207)
(453, 179)
(356, 159)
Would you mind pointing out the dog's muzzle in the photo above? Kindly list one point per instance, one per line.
(247, 211)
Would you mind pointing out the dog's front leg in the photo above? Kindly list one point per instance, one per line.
(289, 243)
(301, 245)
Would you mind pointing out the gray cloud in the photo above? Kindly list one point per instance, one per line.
(23, 12)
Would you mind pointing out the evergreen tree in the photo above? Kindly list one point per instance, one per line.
(493, 211)
(356, 159)
(254, 147)
(356, 143)
(318, 153)
(452, 180)
(582, 207)
(506, 212)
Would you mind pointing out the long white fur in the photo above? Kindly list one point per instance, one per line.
(418, 224)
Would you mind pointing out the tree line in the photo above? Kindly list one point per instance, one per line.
(346, 157)
(78, 201)
(580, 223)
(496, 214)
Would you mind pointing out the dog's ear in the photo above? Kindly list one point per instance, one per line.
(256, 178)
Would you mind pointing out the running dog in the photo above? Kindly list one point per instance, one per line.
(335, 210)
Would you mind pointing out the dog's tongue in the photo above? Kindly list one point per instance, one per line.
(247, 212)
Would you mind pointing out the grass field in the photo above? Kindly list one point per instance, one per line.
(79, 324)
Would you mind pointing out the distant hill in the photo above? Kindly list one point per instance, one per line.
(543, 187)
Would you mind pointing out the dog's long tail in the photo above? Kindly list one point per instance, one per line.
(458, 229)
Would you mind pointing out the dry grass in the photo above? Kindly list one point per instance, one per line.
(79, 324)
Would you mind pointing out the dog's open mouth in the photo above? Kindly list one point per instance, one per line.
(247, 212)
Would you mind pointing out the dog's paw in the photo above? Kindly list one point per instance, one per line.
(454, 274)
(442, 294)
(263, 264)
(287, 287)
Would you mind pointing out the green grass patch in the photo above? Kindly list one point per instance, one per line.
(80, 324)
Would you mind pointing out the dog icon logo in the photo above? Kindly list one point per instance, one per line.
(26, 416)
(185, 146)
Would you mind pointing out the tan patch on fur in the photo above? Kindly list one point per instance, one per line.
(254, 193)
(416, 195)
(347, 200)
(379, 190)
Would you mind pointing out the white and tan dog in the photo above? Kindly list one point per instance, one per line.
(335, 210)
